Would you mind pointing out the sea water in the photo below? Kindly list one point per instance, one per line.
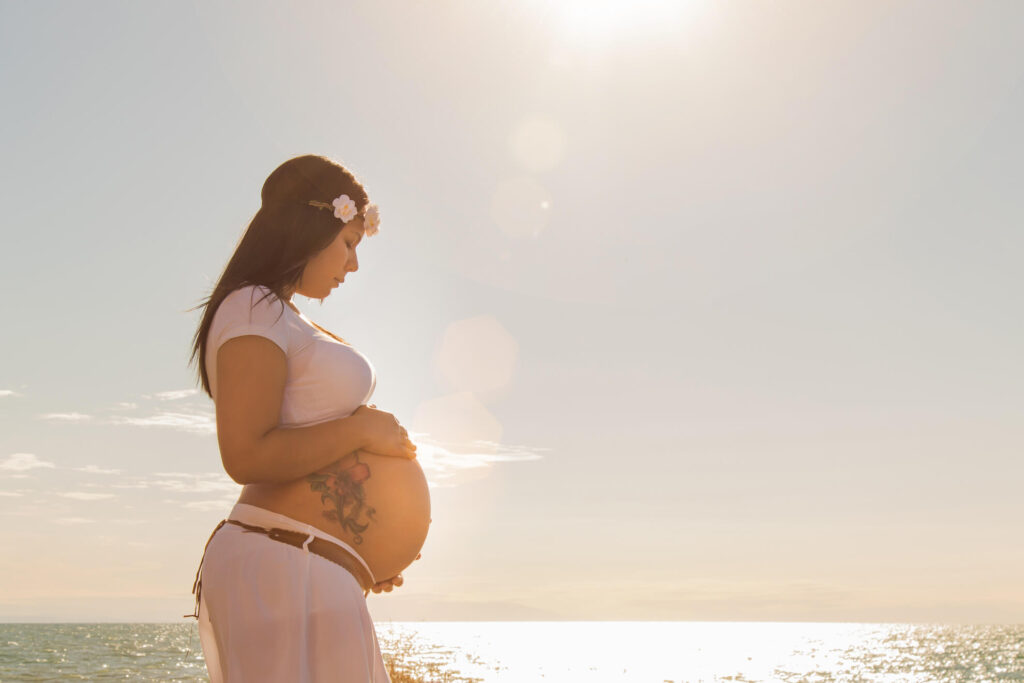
(562, 652)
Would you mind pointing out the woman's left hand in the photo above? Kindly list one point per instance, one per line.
(388, 585)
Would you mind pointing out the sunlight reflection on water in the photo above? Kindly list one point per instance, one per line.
(561, 651)
(719, 651)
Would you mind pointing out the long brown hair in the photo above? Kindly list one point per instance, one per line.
(282, 237)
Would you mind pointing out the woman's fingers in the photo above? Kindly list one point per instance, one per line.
(388, 585)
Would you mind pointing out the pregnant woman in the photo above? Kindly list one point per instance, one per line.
(334, 502)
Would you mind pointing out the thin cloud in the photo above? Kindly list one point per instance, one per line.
(8, 392)
(208, 505)
(74, 520)
(196, 423)
(194, 419)
(9, 494)
(66, 417)
(186, 483)
(447, 464)
(207, 482)
(21, 462)
(172, 395)
(84, 495)
(95, 469)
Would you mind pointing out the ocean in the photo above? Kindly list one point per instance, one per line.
(559, 652)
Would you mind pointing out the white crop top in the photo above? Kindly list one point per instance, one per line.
(326, 379)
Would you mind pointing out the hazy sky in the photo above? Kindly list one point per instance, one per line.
(698, 311)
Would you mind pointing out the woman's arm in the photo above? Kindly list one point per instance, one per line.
(251, 374)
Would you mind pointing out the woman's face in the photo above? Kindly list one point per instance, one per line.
(328, 268)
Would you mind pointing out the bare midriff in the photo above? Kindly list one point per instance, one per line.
(379, 505)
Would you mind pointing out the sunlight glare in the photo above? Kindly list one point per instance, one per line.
(520, 207)
(477, 354)
(595, 22)
(460, 421)
(538, 144)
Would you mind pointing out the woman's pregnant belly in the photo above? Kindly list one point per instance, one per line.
(379, 505)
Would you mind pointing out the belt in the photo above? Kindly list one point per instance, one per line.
(314, 544)
(318, 546)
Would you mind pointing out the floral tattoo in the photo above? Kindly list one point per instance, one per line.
(341, 487)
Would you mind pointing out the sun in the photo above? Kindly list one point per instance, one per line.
(593, 23)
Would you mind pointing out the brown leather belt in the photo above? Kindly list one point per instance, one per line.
(318, 546)
(324, 548)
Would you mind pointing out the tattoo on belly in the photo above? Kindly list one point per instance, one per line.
(341, 488)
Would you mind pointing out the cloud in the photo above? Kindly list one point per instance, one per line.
(209, 505)
(94, 469)
(447, 464)
(183, 482)
(20, 462)
(66, 417)
(82, 495)
(8, 392)
(172, 395)
(196, 423)
(9, 494)
(195, 419)
(74, 520)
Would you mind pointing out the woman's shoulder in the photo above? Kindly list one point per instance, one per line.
(250, 300)
(252, 289)
(252, 295)
(252, 309)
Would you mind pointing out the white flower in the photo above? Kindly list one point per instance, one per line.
(344, 208)
(371, 220)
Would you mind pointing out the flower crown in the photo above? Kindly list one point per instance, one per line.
(345, 209)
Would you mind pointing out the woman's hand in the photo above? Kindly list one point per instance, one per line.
(384, 435)
(389, 585)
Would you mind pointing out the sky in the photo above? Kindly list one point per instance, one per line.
(697, 310)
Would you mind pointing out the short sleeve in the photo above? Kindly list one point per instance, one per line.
(247, 311)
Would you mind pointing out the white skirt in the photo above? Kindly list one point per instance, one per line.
(269, 611)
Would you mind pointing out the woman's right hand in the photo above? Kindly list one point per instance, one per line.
(383, 434)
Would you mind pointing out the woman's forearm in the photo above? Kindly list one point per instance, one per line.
(284, 454)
